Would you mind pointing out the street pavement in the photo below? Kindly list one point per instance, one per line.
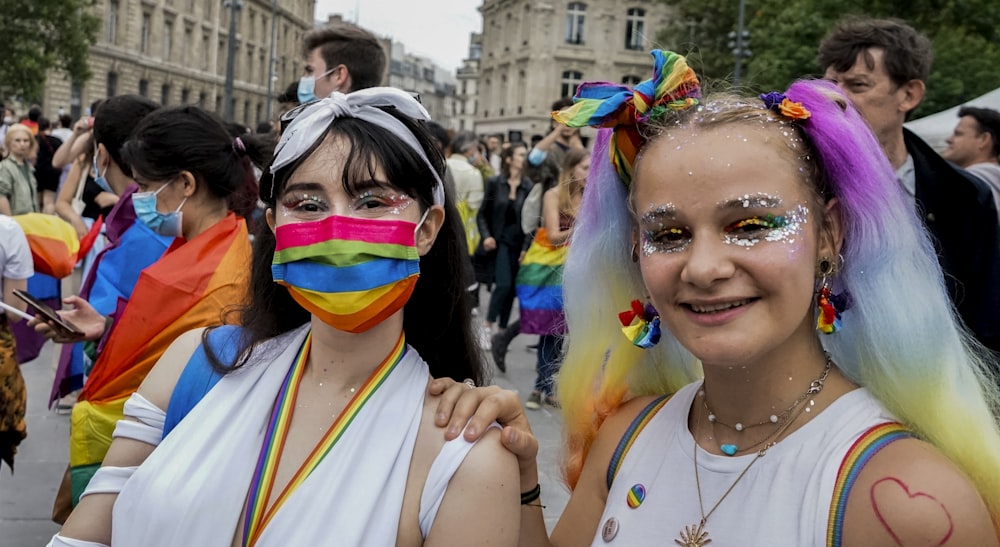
(26, 496)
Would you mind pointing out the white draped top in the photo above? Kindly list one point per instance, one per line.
(192, 489)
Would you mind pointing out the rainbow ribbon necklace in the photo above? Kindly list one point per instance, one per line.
(258, 515)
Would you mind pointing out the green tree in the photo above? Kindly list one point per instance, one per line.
(40, 35)
(785, 35)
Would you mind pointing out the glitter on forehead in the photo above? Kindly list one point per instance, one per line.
(656, 213)
(750, 201)
(769, 227)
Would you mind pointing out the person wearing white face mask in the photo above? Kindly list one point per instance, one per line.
(341, 58)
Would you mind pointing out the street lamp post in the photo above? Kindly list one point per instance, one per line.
(234, 10)
(739, 43)
(272, 62)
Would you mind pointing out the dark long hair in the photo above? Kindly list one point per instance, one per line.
(436, 319)
(187, 138)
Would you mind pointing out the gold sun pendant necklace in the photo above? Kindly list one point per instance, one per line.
(695, 535)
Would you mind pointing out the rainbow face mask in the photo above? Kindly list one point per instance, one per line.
(352, 273)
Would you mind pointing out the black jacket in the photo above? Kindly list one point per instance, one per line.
(493, 212)
(959, 212)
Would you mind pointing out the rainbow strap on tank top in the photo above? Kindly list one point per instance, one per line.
(865, 447)
(632, 433)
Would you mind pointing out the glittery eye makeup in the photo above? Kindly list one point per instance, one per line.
(382, 202)
(657, 237)
(302, 203)
(660, 233)
(751, 231)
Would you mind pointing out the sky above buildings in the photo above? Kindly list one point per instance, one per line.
(438, 29)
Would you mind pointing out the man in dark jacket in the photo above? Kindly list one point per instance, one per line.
(882, 64)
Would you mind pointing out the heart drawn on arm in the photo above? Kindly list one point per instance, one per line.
(892, 492)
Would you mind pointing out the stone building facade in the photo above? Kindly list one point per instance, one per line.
(175, 52)
(534, 53)
(434, 84)
(467, 89)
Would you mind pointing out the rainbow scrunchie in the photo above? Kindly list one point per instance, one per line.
(674, 86)
(641, 324)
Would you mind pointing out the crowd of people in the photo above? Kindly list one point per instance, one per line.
(764, 319)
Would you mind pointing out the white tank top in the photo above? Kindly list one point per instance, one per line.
(784, 499)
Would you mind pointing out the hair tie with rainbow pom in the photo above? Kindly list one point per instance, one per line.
(641, 324)
(674, 86)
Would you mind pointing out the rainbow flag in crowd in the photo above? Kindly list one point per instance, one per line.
(539, 287)
(55, 248)
(189, 287)
(132, 246)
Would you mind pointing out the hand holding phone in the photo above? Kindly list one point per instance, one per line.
(46, 313)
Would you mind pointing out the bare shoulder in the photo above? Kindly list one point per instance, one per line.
(481, 505)
(911, 494)
(579, 520)
(159, 383)
(614, 427)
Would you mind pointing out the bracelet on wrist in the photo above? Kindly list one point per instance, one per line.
(531, 495)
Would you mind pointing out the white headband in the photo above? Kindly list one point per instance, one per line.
(309, 124)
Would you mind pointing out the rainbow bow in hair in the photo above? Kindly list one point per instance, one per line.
(674, 86)
(641, 324)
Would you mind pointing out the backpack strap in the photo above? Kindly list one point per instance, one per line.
(870, 442)
(631, 434)
(198, 377)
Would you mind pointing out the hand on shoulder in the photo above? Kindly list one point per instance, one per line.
(911, 494)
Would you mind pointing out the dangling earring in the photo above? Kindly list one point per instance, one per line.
(828, 319)
(645, 333)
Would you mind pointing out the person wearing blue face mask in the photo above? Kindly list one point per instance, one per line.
(340, 58)
(187, 168)
(165, 224)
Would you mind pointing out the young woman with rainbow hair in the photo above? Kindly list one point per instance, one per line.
(751, 224)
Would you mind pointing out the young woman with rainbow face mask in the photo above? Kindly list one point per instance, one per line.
(320, 429)
(791, 372)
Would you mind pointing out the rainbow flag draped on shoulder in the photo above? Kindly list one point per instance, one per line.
(189, 287)
(132, 246)
(539, 287)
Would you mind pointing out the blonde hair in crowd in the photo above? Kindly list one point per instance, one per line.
(901, 339)
(567, 184)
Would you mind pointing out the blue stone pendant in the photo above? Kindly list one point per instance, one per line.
(728, 449)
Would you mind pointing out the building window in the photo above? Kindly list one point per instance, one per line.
(202, 99)
(144, 87)
(144, 33)
(113, 9)
(205, 56)
(635, 28)
(165, 94)
(186, 45)
(168, 39)
(575, 14)
(631, 79)
(185, 96)
(112, 88)
(570, 80)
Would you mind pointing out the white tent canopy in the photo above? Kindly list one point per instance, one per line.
(934, 129)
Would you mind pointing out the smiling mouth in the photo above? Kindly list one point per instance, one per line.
(716, 308)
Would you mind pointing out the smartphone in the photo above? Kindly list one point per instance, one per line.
(46, 312)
